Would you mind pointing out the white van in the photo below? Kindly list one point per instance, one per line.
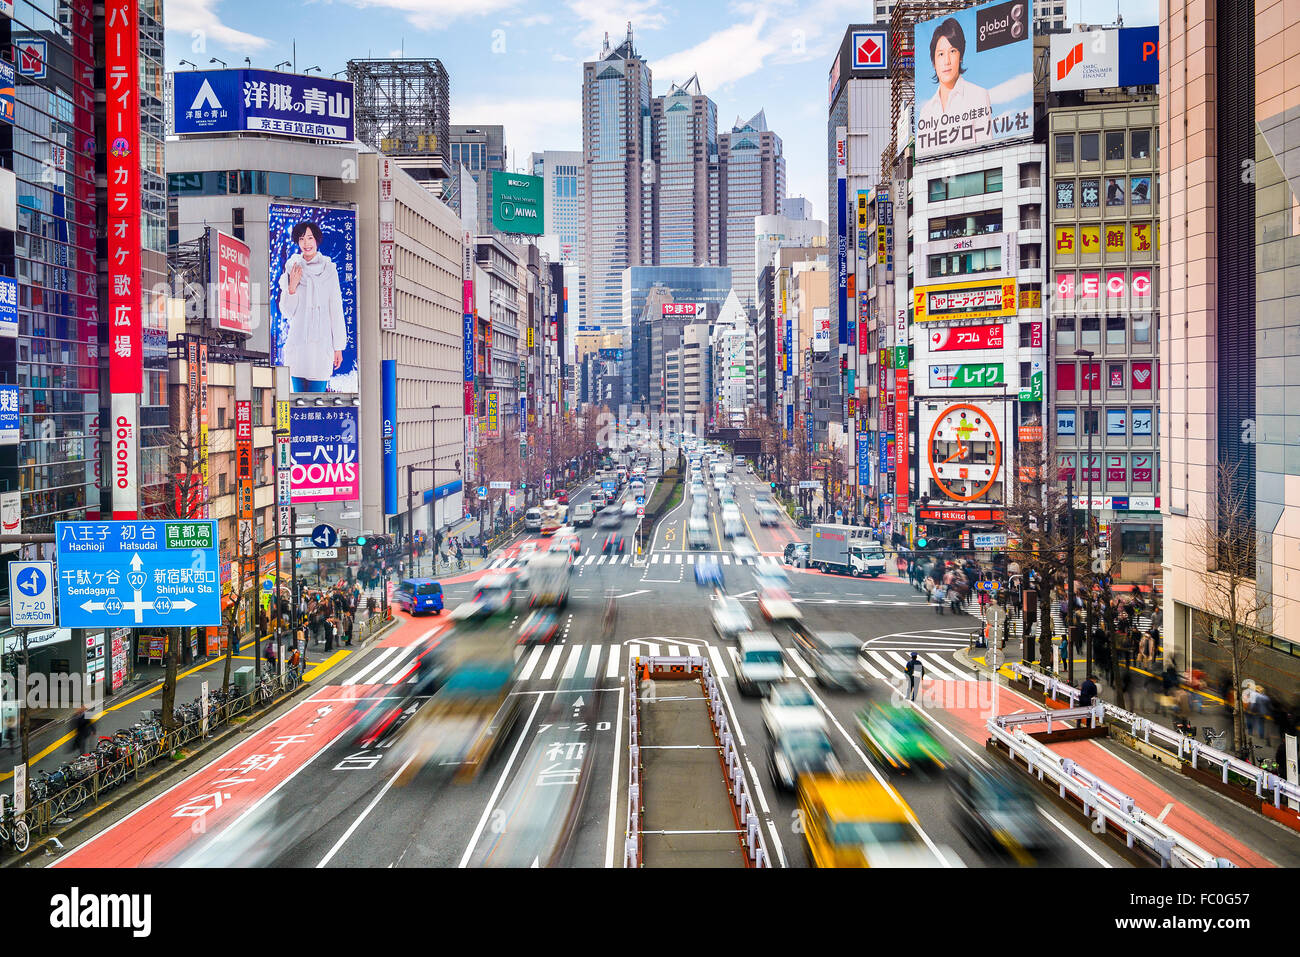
(761, 663)
(697, 533)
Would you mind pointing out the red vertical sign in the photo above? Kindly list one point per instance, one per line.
(122, 114)
(900, 435)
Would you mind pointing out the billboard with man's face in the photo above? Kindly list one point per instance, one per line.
(312, 254)
(974, 79)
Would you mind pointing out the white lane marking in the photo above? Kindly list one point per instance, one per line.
(803, 666)
(673, 651)
(593, 661)
(679, 558)
(952, 666)
(403, 670)
(726, 559)
(653, 649)
(716, 658)
(551, 662)
(735, 657)
(393, 666)
(870, 670)
(531, 663)
(654, 559)
(600, 560)
(613, 777)
(501, 781)
(571, 666)
(383, 656)
(611, 670)
(366, 813)
(690, 559)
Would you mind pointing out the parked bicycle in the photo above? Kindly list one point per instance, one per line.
(14, 830)
(1214, 739)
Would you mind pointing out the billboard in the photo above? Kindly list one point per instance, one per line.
(262, 101)
(312, 255)
(388, 383)
(980, 299)
(517, 203)
(1105, 59)
(974, 79)
(6, 92)
(821, 329)
(122, 131)
(955, 338)
(228, 274)
(323, 460)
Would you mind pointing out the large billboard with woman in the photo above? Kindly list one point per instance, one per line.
(974, 79)
(312, 252)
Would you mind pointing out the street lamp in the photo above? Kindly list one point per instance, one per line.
(309, 69)
(188, 63)
(222, 62)
(283, 63)
(1086, 355)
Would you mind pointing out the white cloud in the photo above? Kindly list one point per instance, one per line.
(531, 125)
(724, 57)
(559, 57)
(537, 19)
(1008, 91)
(596, 17)
(435, 14)
(188, 16)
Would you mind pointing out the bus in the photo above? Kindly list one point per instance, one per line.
(554, 515)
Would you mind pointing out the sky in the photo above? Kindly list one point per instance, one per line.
(518, 63)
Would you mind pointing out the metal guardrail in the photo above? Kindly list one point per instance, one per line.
(1184, 747)
(755, 846)
(1101, 801)
(1047, 716)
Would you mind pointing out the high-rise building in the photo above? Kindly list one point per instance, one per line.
(1049, 15)
(1229, 334)
(685, 151)
(480, 149)
(566, 203)
(734, 366)
(616, 142)
(752, 176)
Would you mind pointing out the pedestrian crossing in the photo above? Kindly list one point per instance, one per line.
(604, 663)
(656, 558)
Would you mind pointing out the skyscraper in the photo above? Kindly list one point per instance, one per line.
(685, 150)
(615, 142)
(480, 149)
(751, 171)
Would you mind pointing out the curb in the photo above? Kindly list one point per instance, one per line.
(124, 796)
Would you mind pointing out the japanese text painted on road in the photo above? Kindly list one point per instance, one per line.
(138, 574)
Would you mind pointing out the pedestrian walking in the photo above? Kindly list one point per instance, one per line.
(1088, 692)
(348, 621)
(81, 732)
(915, 669)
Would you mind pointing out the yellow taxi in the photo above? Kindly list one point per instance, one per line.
(854, 821)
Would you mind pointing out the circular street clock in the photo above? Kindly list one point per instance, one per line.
(964, 452)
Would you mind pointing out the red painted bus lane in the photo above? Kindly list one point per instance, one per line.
(161, 831)
(970, 709)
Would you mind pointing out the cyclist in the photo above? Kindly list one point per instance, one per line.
(270, 654)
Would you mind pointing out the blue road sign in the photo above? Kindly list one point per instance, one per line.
(325, 536)
(138, 574)
(609, 486)
(482, 492)
(640, 499)
(31, 590)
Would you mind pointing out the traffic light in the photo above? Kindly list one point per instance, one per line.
(921, 542)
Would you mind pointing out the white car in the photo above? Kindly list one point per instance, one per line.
(730, 618)
(789, 706)
(743, 547)
(629, 507)
(775, 604)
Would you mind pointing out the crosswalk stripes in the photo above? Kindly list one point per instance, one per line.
(798, 660)
(719, 669)
(357, 678)
(593, 663)
(611, 669)
(531, 663)
(551, 662)
(571, 666)
(654, 559)
(869, 669)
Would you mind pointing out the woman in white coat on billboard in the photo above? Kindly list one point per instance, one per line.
(311, 304)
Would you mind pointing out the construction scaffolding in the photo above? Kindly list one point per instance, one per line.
(902, 65)
(403, 107)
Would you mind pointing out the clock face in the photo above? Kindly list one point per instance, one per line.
(964, 452)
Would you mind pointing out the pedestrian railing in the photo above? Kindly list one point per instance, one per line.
(145, 745)
(1185, 747)
(1104, 804)
(738, 786)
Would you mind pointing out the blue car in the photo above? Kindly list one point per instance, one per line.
(708, 572)
(419, 595)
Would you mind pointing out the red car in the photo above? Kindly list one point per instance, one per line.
(539, 628)
(613, 544)
(562, 496)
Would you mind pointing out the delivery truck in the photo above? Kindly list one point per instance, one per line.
(846, 550)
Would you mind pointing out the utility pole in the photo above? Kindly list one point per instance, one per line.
(1069, 597)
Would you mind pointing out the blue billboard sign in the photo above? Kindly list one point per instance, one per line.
(263, 101)
(138, 574)
(1139, 56)
(9, 431)
(6, 91)
(864, 460)
(8, 307)
(388, 403)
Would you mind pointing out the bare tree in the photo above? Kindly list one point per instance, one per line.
(1241, 612)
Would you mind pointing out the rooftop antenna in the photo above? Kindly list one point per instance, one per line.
(629, 34)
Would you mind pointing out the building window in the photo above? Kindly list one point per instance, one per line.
(1031, 256)
(1065, 147)
(1065, 194)
(237, 222)
(1088, 147)
(1114, 191)
(1031, 216)
(1089, 194)
(1031, 174)
(966, 184)
(1090, 326)
(965, 263)
(1115, 145)
(1140, 144)
(974, 224)
(1114, 331)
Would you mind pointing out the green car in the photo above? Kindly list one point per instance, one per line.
(899, 737)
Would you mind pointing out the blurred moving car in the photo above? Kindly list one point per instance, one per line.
(771, 576)
(629, 507)
(611, 516)
(533, 520)
(743, 547)
(788, 705)
(377, 718)
(776, 605)
(797, 751)
(419, 595)
(796, 553)
(698, 534)
(855, 821)
(539, 627)
(562, 496)
(495, 595)
(899, 737)
(614, 544)
(730, 618)
(708, 572)
(995, 810)
(768, 514)
(568, 539)
(761, 663)
(833, 656)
